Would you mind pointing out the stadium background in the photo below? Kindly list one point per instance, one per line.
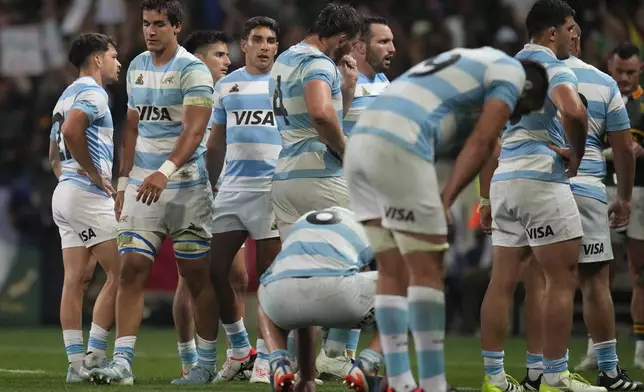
(34, 36)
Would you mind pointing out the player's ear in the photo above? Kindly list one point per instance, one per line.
(552, 33)
(98, 60)
(177, 28)
(242, 45)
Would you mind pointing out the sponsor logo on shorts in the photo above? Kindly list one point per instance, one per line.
(593, 249)
(540, 232)
(153, 113)
(400, 214)
(87, 235)
(254, 117)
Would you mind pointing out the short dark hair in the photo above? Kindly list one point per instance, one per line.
(369, 20)
(171, 7)
(260, 21)
(537, 75)
(87, 44)
(337, 19)
(545, 14)
(626, 50)
(200, 38)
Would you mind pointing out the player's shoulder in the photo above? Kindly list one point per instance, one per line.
(588, 73)
(238, 75)
(87, 88)
(185, 61)
(487, 55)
(304, 55)
(141, 62)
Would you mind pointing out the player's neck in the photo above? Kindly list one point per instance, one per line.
(366, 69)
(315, 41)
(160, 59)
(543, 42)
(94, 74)
(256, 71)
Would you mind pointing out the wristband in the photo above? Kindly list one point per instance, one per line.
(483, 202)
(168, 168)
(121, 184)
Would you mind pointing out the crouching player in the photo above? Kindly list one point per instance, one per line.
(316, 281)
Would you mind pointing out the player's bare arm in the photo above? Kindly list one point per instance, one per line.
(624, 162)
(478, 148)
(574, 119)
(128, 145)
(216, 152)
(485, 178)
(317, 95)
(73, 131)
(54, 159)
(349, 70)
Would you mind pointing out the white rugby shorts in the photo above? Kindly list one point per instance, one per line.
(345, 302)
(83, 218)
(595, 244)
(388, 182)
(245, 211)
(533, 213)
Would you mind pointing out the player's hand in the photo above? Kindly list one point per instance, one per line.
(638, 150)
(118, 205)
(485, 216)
(349, 71)
(103, 183)
(619, 213)
(150, 191)
(572, 163)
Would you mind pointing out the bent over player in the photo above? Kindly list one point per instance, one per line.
(394, 190)
(167, 193)
(81, 151)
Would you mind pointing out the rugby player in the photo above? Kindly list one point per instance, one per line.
(81, 152)
(310, 94)
(170, 101)
(211, 47)
(394, 190)
(533, 208)
(245, 137)
(318, 269)
(373, 54)
(607, 118)
(625, 67)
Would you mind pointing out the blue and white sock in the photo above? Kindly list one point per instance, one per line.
(277, 357)
(124, 351)
(188, 354)
(207, 353)
(74, 347)
(371, 361)
(607, 357)
(392, 317)
(262, 350)
(238, 337)
(553, 369)
(97, 343)
(534, 364)
(493, 364)
(427, 324)
(336, 342)
(352, 342)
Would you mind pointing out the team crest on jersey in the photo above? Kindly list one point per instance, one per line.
(274, 226)
(234, 89)
(168, 80)
(139, 80)
(365, 91)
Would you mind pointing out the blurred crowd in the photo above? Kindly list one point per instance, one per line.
(34, 36)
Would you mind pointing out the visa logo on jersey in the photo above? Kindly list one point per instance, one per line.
(153, 113)
(400, 214)
(540, 232)
(593, 249)
(254, 117)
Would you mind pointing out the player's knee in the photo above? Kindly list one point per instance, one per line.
(144, 243)
(190, 246)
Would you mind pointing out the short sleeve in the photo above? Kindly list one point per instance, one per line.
(320, 69)
(505, 80)
(617, 117)
(218, 111)
(560, 74)
(197, 85)
(128, 88)
(92, 102)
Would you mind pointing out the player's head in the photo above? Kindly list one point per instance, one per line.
(625, 67)
(162, 21)
(95, 51)
(376, 44)
(534, 89)
(259, 42)
(575, 49)
(211, 47)
(337, 26)
(551, 23)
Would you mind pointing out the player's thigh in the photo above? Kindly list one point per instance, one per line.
(106, 253)
(507, 229)
(282, 305)
(188, 217)
(78, 265)
(227, 212)
(285, 212)
(595, 243)
(636, 224)
(365, 286)
(363, 201)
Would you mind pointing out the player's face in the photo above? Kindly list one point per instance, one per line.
(564, 38)
(260, 48)
(215, 56)
(626, 73)
(380, 48)
(340, 45)
(157, 31)
(110, 65)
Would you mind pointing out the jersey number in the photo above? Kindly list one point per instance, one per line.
(325, 217)
(431, 66)
(278, 101)
(60, 141)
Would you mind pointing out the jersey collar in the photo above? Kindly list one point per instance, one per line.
(539, 48)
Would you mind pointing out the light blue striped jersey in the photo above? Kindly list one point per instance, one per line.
(159, 94)
(253, 142)
(329, 242)
(86, 95)
(303, 155)
(525, 153)
(431, 104)
(606, 113)
(367, 89)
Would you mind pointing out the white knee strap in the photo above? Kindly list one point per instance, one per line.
(380, 239)
(409, 244)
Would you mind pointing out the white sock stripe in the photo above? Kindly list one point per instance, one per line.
(436, 383)
(395, 343)
(391, 301)
(235, 327)
(605, 344)
(429, 340)
(422, 293)
(98, 330)
(206, 344)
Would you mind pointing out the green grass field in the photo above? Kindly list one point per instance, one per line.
(34, 360)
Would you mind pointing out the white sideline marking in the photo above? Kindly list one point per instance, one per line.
(23, 371)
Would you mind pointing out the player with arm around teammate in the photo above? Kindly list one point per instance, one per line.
(81, 151)
(317, 270)
(163, 188)
(404, 217)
